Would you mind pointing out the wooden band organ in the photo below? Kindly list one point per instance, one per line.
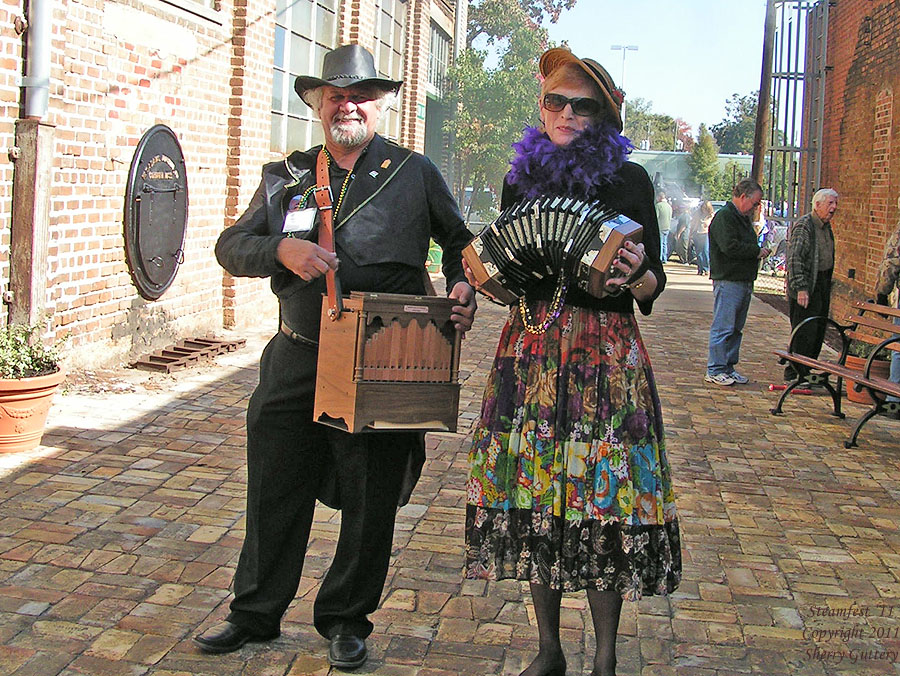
(388, 362)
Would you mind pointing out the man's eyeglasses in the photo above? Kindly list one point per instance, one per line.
(584, 107)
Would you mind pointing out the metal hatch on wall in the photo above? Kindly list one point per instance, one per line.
(156, 201)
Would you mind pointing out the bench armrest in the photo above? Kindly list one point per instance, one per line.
(886, 341)
(841, 329)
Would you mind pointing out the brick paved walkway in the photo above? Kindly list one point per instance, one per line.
(118, 537)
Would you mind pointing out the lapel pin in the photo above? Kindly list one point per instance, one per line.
(386, 164)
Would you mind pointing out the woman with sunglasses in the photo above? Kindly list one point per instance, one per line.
(569, 484)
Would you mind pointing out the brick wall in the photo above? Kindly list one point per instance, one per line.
(860, 158)
(357, 24)
(248, 301)
(415, 73)
(117, 70)
(118, 67)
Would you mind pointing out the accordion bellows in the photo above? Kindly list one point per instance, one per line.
(544, 238)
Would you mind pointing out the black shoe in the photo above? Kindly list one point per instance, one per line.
(227, 637)
(347, 651)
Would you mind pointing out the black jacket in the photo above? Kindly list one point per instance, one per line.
(733, 247)
(396, 202)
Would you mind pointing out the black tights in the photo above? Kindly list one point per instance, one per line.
(606, 608)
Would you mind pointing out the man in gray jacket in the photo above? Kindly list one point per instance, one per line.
(810, 262)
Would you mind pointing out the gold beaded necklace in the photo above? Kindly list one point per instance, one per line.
(346, 184)
(553, 310)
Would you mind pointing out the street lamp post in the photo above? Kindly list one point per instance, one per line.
(624, 49)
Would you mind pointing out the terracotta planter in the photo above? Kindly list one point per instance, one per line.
(880, 368)
(24, 404)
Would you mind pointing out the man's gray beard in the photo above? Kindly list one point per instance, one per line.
(349, 138)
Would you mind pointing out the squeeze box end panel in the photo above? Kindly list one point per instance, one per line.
(487, 276)
(597, 270)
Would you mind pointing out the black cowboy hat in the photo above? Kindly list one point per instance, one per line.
(558, 56)
(344, 67)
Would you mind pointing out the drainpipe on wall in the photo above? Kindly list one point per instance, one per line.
(33, 156)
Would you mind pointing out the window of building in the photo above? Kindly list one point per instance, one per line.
(390, 32)
(304, 31)
(438, 61)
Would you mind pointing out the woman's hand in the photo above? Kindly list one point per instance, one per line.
(630, 259)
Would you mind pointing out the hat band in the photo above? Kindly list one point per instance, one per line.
(343, 76)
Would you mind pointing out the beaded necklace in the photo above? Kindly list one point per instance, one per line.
(346, 184)
(553, 310)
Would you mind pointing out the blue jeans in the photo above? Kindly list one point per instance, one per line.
(731, 302)
(664, 245)
(701, 247)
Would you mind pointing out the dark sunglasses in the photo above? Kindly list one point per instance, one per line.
(583, 107)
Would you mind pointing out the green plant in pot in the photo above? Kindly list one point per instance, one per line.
(857, 355)
(862, 349)
(30, 373)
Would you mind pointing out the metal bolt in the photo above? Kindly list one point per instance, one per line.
(14, 153)
(7, 296)
(20, 24)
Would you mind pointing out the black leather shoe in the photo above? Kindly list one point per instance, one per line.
(227, 637)
(347, 651)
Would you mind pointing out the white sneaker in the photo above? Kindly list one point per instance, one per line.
(719, 379)
(738, 378)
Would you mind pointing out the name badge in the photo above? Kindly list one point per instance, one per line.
(300, 221)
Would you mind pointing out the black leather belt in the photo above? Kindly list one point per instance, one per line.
(298, 338)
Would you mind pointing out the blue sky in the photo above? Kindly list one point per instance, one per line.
(692, 54)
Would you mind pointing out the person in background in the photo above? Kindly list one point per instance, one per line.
(810, 262)
(664, 218)
(704, 217)
(888, 282)
(388, 203)
(569, 485)
(734, 256)
(684, 215)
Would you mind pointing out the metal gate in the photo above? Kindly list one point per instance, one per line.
(793, 157)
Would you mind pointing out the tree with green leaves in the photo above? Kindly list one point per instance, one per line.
(646, 129)
(494, 103)
(735, 133)
(491, 18)
(704, 164)
(731, 175)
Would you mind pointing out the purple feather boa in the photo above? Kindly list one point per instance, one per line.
(589, 161)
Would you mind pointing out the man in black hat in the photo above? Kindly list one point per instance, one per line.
(388, 202)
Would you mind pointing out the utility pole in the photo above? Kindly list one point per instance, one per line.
(763, 101)
(624, 49)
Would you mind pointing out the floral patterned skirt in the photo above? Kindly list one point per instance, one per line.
(569, 484)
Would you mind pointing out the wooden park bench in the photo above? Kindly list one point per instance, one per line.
(870, 325)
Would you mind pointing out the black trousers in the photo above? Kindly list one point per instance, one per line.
(810, 338)
(290, 459)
